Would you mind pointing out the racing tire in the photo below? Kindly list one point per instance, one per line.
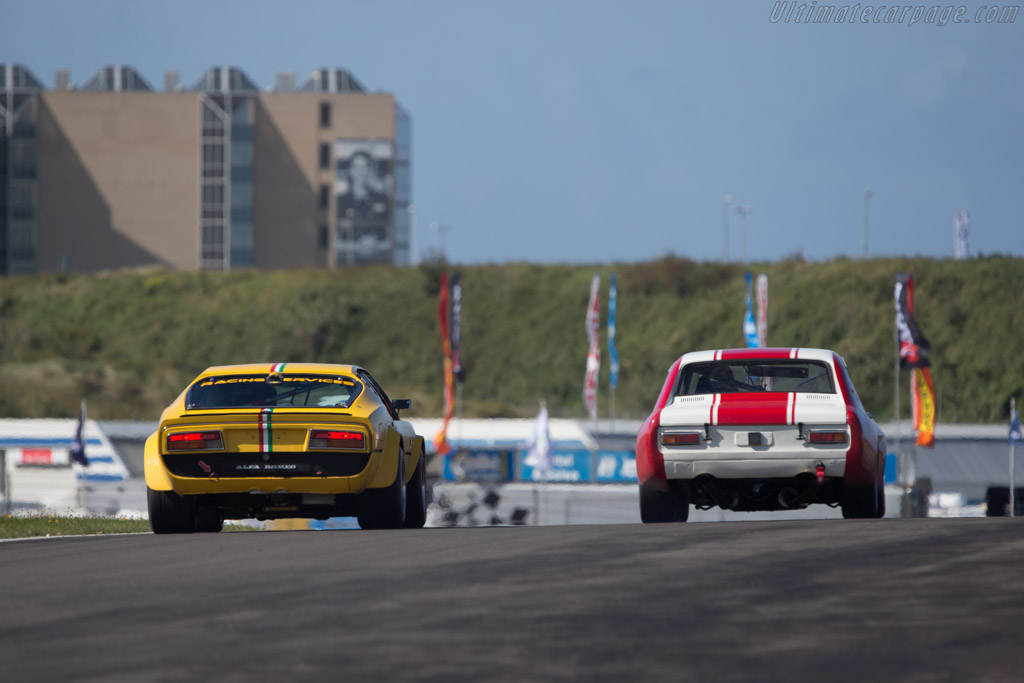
(662, 507)
(416, 496)
(209, 520)
(860, 503)
(170, 513)
(385, 508)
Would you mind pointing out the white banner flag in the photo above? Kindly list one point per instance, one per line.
(961, 231)
(762, 310)
(594, 355)
(538, 448)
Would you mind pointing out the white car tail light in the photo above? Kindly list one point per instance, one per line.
(826, 436)
(680, 438)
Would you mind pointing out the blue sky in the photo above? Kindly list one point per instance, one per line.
(594, 131)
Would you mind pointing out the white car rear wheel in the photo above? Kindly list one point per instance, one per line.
(661, 507)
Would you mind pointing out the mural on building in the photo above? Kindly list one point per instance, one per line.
(364, 190)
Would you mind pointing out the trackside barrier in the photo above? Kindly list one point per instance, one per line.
(569, 466)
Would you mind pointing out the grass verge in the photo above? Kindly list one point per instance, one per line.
(31, 526)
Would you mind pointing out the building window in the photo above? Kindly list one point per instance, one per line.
(213, 153)
(213, 246)
(213, 160)
(325, 114)
(325, 196)
(213, 195)
(322, 236)
(22, 200)
(23, 159)
(325, 155)
(213, 124)
(23, 241)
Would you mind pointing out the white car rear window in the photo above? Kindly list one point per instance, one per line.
(739, 376)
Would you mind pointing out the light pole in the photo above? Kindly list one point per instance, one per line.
(441, 229)
(743, 211)
(864, 241)
(726, 201)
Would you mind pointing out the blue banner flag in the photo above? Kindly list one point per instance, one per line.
(749, 326)
(613, 355)
(457, 368)
(1016, 436)
(78, 443)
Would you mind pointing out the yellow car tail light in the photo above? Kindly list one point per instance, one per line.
(195, 441)
(333, 439)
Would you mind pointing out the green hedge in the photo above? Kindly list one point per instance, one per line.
(128, 342)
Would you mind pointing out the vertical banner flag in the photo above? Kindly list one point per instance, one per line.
(441, 445)
(613, 354)
(457, 369)
(749, 328)
(1016, 436)
(924, 407)
(762, 310)
(914, 347)
(961, 231)
(914, 354)
(538, 448)
(78, 443)
(594, 354)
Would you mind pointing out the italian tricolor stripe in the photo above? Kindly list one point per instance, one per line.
(266, 431)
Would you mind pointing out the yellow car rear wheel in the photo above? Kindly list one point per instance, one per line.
(416, 496)
(209, 520)
(385, 508)
(170, 513)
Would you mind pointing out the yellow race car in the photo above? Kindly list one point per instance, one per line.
(284, 440)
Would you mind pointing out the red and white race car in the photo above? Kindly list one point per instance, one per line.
(759, 429)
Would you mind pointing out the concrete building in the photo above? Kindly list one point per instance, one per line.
(220, 175)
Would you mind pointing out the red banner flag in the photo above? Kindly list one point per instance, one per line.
(924, 407)
(914, 351)
(441, 445)
(914, 347)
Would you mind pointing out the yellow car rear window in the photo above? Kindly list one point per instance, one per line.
(276, 390)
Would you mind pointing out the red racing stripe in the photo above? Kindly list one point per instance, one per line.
(754, 409)
(752, 354)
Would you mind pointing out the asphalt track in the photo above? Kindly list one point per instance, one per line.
(828, 600)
